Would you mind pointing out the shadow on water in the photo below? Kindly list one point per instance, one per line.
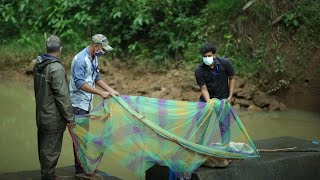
(18, 130)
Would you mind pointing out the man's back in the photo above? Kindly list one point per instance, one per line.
(49, 76)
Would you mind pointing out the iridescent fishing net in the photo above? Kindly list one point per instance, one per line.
(140, 131)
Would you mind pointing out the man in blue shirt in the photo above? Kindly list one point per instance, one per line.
(84, 76)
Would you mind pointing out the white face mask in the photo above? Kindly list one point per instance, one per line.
(207, 60)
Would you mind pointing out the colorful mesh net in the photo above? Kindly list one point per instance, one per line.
(140, 131)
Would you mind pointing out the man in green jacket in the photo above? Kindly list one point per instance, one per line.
(53, 106)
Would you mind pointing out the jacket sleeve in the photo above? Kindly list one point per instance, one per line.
(61, 94)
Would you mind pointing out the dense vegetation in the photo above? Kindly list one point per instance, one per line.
(262, 41)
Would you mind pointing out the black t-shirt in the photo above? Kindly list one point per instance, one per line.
(215, 79)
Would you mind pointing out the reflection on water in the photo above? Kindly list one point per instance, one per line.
(18, 130)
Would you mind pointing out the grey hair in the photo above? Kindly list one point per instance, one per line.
(53, 44)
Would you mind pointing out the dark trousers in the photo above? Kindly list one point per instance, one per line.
(78, 169)
(49, 150)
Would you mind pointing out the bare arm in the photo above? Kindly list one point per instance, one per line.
(89, 89)
(205, 93)
(106, 87)
(232, 81)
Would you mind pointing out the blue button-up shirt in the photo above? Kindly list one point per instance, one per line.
(84, 70)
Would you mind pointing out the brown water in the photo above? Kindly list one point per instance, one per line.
(18, 141)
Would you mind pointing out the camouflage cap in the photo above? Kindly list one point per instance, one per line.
(102, 40)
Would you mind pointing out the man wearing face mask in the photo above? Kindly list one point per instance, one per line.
(215, 76)
(216, 79)
(84, 76)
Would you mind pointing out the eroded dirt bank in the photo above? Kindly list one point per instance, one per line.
(180, 84)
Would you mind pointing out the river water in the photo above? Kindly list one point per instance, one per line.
(18, 132)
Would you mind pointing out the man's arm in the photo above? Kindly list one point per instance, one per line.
(106, 87)
(78, 74)
(232, 81)
(61, 94)
(205, 93)
(231, 77)
(89, 89)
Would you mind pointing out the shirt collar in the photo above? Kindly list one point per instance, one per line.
(89, 55)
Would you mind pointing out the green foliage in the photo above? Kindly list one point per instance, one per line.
(309, 15)
(164, 33)
(19, 52)
(262, 11)
(278, 65)
(8, 28)
(165, 27)
(290, 19)
(229, 46)
(154, 30)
